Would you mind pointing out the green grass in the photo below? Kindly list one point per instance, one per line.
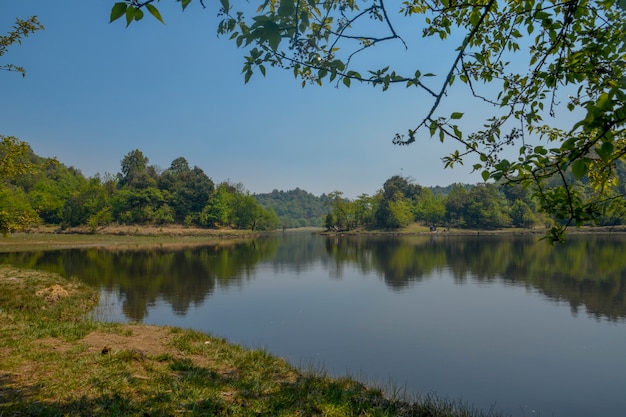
(56, 361)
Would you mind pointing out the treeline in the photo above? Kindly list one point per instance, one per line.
(51, 193)
(36, 190)
(484, 206)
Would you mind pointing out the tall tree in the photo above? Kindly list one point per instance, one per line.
(430, 208)
(524, 58)
(396, 206)
(135, 171)
(343, 212)
(189, 189)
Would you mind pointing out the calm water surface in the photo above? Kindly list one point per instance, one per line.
(507, 323)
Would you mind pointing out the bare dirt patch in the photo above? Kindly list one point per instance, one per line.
(149, 340)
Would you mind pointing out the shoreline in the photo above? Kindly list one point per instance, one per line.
(128, 237)
(54, 360)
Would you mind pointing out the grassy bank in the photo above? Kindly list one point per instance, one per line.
(45, 238)
(55, 361)
(419, 229)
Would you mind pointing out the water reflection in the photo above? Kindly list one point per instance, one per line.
(182, 277)
(588, 271)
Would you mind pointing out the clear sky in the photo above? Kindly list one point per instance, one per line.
(95, 91)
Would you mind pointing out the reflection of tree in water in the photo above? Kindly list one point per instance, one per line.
(588, 271)
(296, 252)
(399, 260)
(181, 277)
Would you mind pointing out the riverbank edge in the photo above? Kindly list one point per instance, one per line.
(57, 359)
(416, 230)
(141, 237)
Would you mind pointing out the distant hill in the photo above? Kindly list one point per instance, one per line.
(443, 191)
(295, 208)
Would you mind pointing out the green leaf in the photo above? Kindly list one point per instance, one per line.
(154, 12)
(286, 8)
(433, 128)
(273, 38)
(225, 5)
(185, 3)
(605, 151)
(456, 115)
(579, 168)
(603, 101)
(304, 21)
(268, 31)
(457, 132)
(138, 14)
(485, 175)
(130, 15)
(118, 11)
(346, 81)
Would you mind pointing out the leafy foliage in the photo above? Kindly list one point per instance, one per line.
(39, 190)
(295, 208)
(189, 189)
(21, 29)
(16, 161)
(482, 206)
(13, 158)
(543, 59)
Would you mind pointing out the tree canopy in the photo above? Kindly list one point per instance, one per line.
(551, 73)
(36, 190)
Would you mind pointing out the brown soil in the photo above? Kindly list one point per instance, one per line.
(145, 340)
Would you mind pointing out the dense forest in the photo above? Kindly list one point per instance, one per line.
(51, 193)
(482, 206)
(296, 208)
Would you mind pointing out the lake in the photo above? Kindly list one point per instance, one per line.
(498, 322)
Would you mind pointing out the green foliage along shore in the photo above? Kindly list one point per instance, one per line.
(36, 190)
(49, 192)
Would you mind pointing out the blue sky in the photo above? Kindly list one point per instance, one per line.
(95, 91)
